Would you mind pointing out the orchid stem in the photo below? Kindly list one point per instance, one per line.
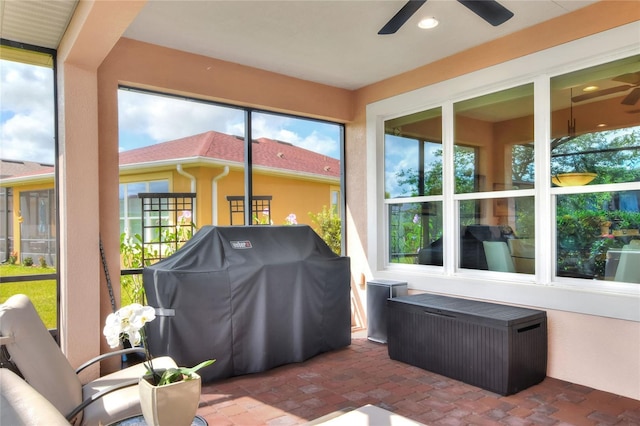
(148, 355)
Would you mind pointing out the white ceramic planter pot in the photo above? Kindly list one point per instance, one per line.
(174, 404)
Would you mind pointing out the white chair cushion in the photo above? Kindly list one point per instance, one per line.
(38, 356)
(22, 405)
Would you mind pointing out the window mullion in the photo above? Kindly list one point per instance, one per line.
(450, 217)
(543, 206)
(248, 161)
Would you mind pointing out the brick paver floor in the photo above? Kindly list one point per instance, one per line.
(362, 374)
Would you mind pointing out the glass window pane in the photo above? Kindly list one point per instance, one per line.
(134, 205)
(37, 213)
(413, 155)
(610, 156)
(159, 186)
(121, 195)
(335, 201)
(595, 130)
(135, 226)
(466, 178)
(131, 211)
(28, 212)
(296, 174)
(522, 166)
(415, 233)
(498, 234)
(596, 140)
(174, 128)
(591, 231)
(494, 141)
(296, 163)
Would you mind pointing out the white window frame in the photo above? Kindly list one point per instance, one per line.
(543, 290)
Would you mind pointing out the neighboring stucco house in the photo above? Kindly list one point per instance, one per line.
(211, 165)
(27, 212)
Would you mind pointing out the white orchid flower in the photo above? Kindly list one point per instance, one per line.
(135, 337)
(127, 322)
(142, 316)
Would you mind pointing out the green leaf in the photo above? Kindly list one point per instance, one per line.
(173, 375)
(170, 375)
(189, 371)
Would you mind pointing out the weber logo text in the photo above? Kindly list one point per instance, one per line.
(241, 244)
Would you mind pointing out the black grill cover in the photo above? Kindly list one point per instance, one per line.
(251, 297)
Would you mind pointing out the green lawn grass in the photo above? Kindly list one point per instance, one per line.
(41, 293)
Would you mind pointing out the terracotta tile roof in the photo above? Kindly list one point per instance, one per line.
(11, 168)
(220, 146)
(211, 146)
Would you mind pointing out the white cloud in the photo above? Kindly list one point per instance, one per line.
(271, 127)
(164, 118)
(25, 137)
(27, 125)
(26, 87)
(398, 159)
(279, 128)
(321, 144)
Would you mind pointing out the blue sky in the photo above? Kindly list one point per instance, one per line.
(146, 119)
(27, 121)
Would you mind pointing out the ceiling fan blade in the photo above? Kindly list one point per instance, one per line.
(599, 93)
(401, 17)
(631, 78)
(632, 97)
(489, 10)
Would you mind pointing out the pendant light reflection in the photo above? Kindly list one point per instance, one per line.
(573, 179)
(576, 178)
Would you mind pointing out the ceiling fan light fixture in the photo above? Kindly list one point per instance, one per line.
(428, 23)
(590, 89)
(489, 10)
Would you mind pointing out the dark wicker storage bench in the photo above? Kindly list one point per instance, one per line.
(499, 348)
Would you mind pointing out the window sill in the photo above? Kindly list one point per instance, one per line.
(599, 298)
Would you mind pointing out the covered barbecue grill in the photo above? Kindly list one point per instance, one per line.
(251, 297)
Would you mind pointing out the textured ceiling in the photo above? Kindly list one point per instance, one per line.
(330, 42)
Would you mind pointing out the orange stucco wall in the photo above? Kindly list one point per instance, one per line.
(148, 66)
(599, 365)
(289, 194)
